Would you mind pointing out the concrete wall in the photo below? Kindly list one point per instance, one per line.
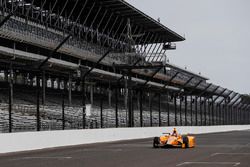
(39, 140)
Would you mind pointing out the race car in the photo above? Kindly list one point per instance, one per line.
(174, 140)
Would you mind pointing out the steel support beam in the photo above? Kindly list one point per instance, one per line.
(185, 110)
(38, 121)
(116, 108)
(175, 111)
(196, 111)
(6, 19)
(225, 116)
(101, 110)
(159, 108)
(150, 110)
(212, 103)
(96, 64)
(170, 80)
(44, 83)
(168, 112)
(53, 52)
(180, 110)
(191, 110)
(201, 103)
(83, 102)
(63, 109)
(151, 77)
(10, 97)
(130, 101)
(141, 109)
(218, 106)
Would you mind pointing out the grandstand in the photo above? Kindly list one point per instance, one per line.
(73, 64)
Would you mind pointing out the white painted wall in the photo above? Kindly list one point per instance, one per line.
(14, 142)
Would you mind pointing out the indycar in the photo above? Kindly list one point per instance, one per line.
(174, 140)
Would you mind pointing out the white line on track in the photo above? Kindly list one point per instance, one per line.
(214, 154)
(209, 163)
(29, 158)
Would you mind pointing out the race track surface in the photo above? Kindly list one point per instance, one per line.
(213, 150)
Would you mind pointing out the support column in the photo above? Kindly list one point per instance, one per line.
(25, 79)
(14, 77)
(141, 109)
(191, 110)
(63, 112)
(168, 109)
(205, 112)
(52, 83)
(91, 95)
(101, 108)
(110, 96)
(220, 115)
(248, 116)
(150, 110)
(226, 113)
(212, 106)
(237, 114)
(175, 111)
(223, 114)
(159, 107)
(209, 112)
(234, 115)
(216, 114)
(10, 98)
(185, 110)
(58, 83)
(6, 75)
(196, 111)
(116, 108)
(70, 88)
(231, 115)
(201, 103)
(180, 111)
(44, 83)
(38, 103)
(130, 100)
(83, 103)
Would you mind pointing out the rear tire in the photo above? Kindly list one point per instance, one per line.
(185, 141)
(156, 142)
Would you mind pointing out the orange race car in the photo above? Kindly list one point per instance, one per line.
(174, 140)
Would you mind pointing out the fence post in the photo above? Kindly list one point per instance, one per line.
(10, 98)
(38, 102)
(63, 112)
(101, 107)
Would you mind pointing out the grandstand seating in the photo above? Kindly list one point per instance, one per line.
(24, 113)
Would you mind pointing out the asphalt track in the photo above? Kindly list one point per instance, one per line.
(213, 150)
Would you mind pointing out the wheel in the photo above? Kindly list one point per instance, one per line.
(185, 141)
(156, 142)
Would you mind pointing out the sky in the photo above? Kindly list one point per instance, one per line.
(217, 36)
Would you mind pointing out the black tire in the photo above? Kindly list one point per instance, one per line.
(156, 142)
(185, 141)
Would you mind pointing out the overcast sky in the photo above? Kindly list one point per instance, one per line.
(217, 36)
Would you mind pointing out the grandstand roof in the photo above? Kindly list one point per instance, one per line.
(119, 8)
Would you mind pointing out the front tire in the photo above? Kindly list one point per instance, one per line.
(156, 142)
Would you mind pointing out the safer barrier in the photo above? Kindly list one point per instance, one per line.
(14, 142)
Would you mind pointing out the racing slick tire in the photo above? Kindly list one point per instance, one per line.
(156, 142)
(185, 141)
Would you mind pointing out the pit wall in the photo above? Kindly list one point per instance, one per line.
(15, 142)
